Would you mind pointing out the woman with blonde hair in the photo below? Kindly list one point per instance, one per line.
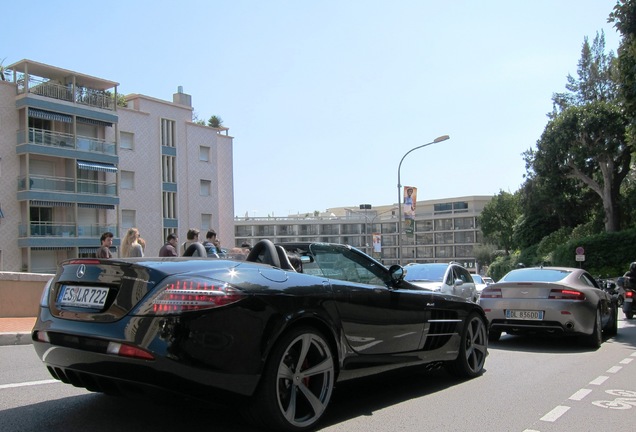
(130, 246)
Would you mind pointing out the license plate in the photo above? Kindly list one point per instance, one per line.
(628, 300)
(83, 296)
(524, 315)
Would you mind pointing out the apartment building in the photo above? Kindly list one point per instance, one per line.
(445, 230)
(74, 164)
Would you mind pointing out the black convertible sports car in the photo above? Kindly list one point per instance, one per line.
(277, 334)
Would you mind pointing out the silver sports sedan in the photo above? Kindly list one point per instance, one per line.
(550, 300)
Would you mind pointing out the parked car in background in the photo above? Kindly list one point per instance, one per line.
(276, 330)
(488, 280)
(550, 300)
(447, 278)
(480, 283)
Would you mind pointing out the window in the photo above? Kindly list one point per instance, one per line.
(462, 205)
(206, 221)
(205, 188)
(443, 224)
(465, 237)
(126, 140)
(204, 153)
(443, 251)
(464, 223)
(168, 170)
(424, 239)
(127, 180)
(444, 207)
(347, 266)
(243, 231)
(444, 238)
(168, 133)
(425, 225)
(169, 205)
(464, 250)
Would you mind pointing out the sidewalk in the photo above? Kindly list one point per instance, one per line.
(16, 331)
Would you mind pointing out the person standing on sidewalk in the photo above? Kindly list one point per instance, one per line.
(170, 248)
(107, 242)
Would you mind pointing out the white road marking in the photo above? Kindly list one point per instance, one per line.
(598, 381)
(579, 395)
(626, 361)
(614, 369)
(29, 383)
(554, 415)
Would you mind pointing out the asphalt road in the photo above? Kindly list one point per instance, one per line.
(529, 385)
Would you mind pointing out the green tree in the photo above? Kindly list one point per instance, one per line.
(497, 220)
(597, 75)
(215, 122)
(624, 18)
(583, 148)
(587, 143)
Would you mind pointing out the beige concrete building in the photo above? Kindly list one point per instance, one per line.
(74, 164)
(445, 230)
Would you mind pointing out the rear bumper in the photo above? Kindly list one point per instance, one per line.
(188, 357)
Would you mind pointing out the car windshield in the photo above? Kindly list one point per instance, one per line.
(535, 275)
(425, 272)
(478, 279)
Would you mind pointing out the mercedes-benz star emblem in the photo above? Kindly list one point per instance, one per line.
(81, 271)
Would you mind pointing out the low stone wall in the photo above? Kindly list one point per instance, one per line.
(20, 293)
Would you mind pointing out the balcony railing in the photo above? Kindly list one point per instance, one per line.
(80, 95)
(66, 184)
(64, 140)
(59, 229)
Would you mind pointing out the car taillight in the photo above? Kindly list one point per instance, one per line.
(566, 294)
(491, 293)
(124, 350)
(186, 295)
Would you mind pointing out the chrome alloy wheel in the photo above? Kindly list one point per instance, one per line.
(305, 379)
(476, 344)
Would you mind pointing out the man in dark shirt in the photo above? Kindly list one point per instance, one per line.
(170, 248)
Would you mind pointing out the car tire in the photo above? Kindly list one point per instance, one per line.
(629, 315)
(612, 328)
(595, 339)
(297, 383)
(473, 348)
(494, 335)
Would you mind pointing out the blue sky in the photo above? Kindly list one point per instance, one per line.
(323, 98)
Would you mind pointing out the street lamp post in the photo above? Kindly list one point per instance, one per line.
(399, 187)
(365, 238)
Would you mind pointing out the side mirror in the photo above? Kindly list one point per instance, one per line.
(397, 273)
(458, 282)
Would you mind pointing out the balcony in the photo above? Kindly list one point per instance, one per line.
(59, 229)
(67, 185)
(77, 94)
(67, 141)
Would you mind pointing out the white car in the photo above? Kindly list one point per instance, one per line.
(480, 283)
(448, 278)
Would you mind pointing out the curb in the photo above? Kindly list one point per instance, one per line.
(19, 338)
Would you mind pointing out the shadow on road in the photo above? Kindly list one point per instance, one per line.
(101, 413)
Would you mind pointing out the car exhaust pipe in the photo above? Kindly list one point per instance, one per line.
(569, 325)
